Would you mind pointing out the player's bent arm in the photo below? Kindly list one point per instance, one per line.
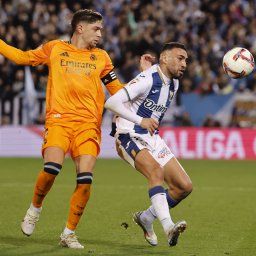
(16, 55)
(116, 104)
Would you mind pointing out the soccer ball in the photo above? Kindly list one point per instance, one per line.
(238, 62)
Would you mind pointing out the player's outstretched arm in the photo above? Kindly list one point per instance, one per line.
(16, 55)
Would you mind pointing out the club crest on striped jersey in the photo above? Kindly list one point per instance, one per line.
(134, 81)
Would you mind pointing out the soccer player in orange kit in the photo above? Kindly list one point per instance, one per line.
(74, 106)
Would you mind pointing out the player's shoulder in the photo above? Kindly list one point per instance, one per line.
(61, 43)
(50, 44)
(143, 79)
(148, 72)
(100, 55)
(55, 41)
(146, 75)
(100, 51)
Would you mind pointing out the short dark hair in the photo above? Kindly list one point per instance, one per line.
(171, 45)
(86, 15)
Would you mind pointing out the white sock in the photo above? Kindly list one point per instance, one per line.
(149, 215)
(35, 209)
(159, 202)
(68, 231)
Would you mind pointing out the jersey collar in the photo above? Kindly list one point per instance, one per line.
(164, 78)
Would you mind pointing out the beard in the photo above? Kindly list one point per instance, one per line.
(92, 45)
(177, 76)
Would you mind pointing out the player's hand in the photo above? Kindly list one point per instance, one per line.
(146, 61)
(150, 124)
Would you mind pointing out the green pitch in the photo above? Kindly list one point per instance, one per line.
(221, 211)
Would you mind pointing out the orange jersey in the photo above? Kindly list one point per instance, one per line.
(74, 89)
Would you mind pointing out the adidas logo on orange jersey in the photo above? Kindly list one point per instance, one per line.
(64, 54)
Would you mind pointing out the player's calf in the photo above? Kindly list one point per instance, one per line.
(185, 188)
(45, 181)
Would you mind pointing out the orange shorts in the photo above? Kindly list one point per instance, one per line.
(79, 140)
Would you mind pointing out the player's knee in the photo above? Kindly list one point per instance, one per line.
(186, 188)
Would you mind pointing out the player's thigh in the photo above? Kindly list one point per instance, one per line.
(55, 143)
(54, 154)
(127, 148)
(147, 165)
(85, 163)
(137, 155)
(175, 175)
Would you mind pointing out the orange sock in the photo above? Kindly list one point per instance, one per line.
(79, 199)
(44, 182)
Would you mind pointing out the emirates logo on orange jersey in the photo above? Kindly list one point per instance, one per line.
(93, 57)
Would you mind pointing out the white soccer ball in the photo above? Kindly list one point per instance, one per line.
(238, 62)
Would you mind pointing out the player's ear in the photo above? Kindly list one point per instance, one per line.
(79, 28)
(163, 57)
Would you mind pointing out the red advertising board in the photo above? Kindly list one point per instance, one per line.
(187, 143)
(211, 143)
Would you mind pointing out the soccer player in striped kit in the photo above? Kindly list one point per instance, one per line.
(141, 105)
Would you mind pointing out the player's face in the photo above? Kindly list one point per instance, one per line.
(91, 33)
(176, 62)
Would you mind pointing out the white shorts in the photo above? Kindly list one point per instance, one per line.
(132, 143)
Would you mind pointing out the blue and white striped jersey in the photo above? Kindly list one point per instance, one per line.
(150, 94)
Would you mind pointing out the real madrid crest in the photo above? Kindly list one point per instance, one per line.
(93, 57)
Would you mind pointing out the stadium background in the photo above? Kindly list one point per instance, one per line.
(213, 117)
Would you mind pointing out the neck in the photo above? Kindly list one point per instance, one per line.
(79, 43)
(165, 70)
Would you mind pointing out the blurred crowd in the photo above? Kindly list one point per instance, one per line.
(208, 28)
